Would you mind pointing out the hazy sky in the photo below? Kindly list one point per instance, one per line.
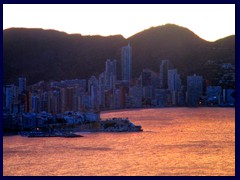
(210, 21)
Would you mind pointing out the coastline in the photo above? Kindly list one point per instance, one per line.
(135, 109)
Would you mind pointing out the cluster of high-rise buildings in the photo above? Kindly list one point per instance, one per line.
(106, 91)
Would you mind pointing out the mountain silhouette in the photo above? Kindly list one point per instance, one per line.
(47, 55)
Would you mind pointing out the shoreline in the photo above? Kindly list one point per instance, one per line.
(135, 109)
(87, 129)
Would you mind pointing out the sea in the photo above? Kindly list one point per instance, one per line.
(174, 142)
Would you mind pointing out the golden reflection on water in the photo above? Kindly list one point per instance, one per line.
(175, 141)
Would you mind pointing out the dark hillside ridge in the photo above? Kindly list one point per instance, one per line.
(47, 55)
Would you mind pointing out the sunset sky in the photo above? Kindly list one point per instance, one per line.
(210, 21)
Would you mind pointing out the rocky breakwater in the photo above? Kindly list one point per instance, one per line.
(119, 125)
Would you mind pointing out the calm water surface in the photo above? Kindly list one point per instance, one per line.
(175, 141)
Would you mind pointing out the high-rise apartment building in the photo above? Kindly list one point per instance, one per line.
(93, 92)
(101, 89)
(194, 89)
(164, 67)
(35, 103)
(127, 63)
(9, 97)
(110, 73)
(67, 95)
(174, 81)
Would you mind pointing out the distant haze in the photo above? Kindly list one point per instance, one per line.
(209, 21)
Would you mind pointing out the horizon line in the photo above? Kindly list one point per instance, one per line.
(78, 33)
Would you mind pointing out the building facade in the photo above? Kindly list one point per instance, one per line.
(127, 63)
(110, 73)
(194, 90)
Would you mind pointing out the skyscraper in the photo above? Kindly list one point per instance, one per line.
(67, 95)
(194, 89)
(110, 73)
(101, 89)
(35, 104)
(164, 67)
(127, 63)
(9, 97)
(54, 101)
(174, 81)
(174, 84)
(93, 92)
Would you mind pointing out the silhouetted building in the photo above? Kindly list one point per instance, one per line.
(150, 81)
(228, 96)
(34, 103)
(163, 97)
(147, 92)
(26, 101)
(194, 89)
(67, 95)
(127, 63)
(110, 73)
(117, 98)
(101, 90)
(174, 81)
(54, 102)
(109, 99)
(164, 67)
(86, 101)
(44, 101)
(9, 91)
(134, 99)
(93, 91)
(174, 84)
(181, 97)
(123, 92)
(213, 94)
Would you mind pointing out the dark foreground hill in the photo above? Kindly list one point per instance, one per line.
(52, 55)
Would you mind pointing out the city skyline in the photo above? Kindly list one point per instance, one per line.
(204, 20)
(160, 103)
(151, 89)
(102, 106)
